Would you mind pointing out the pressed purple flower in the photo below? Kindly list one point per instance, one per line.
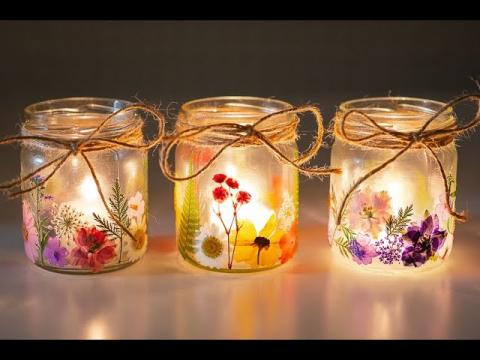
(37, 179)
(361, 249)
(55, 254)
(422, 242)
(389, 249)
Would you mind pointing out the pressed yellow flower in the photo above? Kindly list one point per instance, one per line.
(258, 249)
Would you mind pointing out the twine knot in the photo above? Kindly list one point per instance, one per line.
(238, 133)
(74, 147)
(415, 137)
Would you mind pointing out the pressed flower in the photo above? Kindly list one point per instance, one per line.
(258, 249)
(368, 211)
(55, 253)
(37, 179)
(93, 249)
(219, 178)
(212, 250)
(389, 249)
(30, 236)
(136, 207)
(286, 214)
(66, 221)
(140, 238)
(232, 183)
(422, 242)
(288, 244)
(243, 197)
(445, 220)
(362, 251)
(220, 194)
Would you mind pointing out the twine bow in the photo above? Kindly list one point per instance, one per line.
(423, 137)
(234, 134)
(90, 143)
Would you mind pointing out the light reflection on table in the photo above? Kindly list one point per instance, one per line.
(311, 297)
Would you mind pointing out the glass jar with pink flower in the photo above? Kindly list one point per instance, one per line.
(388, 208)
(241, 213)
(66, 225)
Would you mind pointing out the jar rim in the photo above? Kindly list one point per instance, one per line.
(237, 100)
(350, 104)
(397, 113)
(48, 106)
(75, 117)
(238, 110)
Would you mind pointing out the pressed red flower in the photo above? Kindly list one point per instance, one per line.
(219, 178)
(243, 197)
(220, 194)
(232, 183)
(93, 249)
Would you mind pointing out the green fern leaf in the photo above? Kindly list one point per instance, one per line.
(119, 204)
(395, 225)
(110, 229)
(189, 222)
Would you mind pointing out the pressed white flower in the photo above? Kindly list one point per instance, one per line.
(136, 207)
(66, 221)
(211, 248)
(286, 215)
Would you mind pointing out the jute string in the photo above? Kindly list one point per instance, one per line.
(234, 134)
(91, 143)
(428, 139)
(231, 133)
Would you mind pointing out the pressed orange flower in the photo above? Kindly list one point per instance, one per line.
(288, 244)
(140, 238)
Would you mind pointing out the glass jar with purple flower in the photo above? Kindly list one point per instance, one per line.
(388, 208)
(67, 227)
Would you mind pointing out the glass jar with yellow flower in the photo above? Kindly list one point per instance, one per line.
(241, 213)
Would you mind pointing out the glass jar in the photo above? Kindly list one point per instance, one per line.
(397, 219)
(66, 226)
(241, 214)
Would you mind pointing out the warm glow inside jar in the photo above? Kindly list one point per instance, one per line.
(241, 214)
(397, 220)
(66, 226)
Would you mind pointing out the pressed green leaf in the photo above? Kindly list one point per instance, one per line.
(189, 222)
(396, 224)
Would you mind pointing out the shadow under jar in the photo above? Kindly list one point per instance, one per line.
(66, 226)
(241, 214)
(396, 220)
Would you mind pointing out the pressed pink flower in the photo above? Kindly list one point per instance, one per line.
(368, 210)
(232, 183)
(94, 250)
(219, 178)
(441, 210)
(30, 236)
(243, 197)
(220, 194)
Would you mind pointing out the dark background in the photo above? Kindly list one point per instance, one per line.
(323, 62)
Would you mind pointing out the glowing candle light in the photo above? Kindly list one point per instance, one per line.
(66, 225)
(395, 220)
(240, 214)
